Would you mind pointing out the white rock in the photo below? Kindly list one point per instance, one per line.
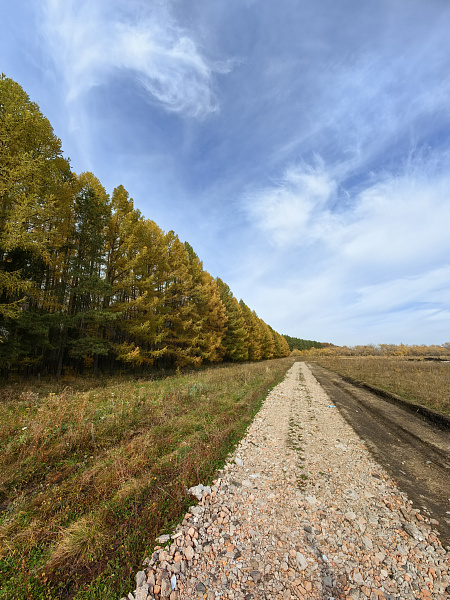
(196, 510)
(162, 539)
(367, 542)
(311, 500)
(413, 532)
(142, 592)
(197, 491)
(357, 578)
(351, 494)
(301, 561)
(141, 578)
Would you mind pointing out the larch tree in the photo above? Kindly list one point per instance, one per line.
(35, 182)
(182, 320)
(236, 338)
(267, 341)
(209, 312)
(124, 250)
(214, 320)
(88, 286)
(141, 301)
(254, 332)
(284, 346)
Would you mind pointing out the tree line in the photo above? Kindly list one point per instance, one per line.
(414, 351)
(86, 281)
(295, 343)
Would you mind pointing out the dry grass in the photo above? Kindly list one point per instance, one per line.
(83, 541)
(419, 381)
(90, 478)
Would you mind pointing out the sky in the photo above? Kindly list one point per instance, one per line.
(302, 148)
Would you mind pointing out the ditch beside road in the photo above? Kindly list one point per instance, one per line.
(415, 452)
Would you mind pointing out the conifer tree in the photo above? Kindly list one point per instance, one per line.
(254, 332)
(236, 338)
(88, 286)
(35, 183)
(276, 342)
(209, 312)
(140, 330)
(182, 321)
(267, 341)
(215, 320)
(124, 246)
(284, 346)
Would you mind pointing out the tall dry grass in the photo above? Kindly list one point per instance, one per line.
(89, 478)
(419, 381)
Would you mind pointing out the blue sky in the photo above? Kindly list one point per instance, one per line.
(302, 148)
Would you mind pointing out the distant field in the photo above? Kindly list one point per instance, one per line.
(89, 478)
(419, 381)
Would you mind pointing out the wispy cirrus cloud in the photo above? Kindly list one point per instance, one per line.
(398, 212)
(373, 104)
(288, 210)
(93, 41)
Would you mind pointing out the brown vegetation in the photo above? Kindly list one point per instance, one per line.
(419, 381)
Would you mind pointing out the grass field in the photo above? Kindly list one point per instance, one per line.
(91, 476)
(422, 382)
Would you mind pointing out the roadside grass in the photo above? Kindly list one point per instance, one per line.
(90, 478)
(418, 381)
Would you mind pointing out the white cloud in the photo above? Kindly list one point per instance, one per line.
(370, 273)
(426, 291)
(93, 40)
(400, 223)
(394, 218)
(287, 210)
(342, 307)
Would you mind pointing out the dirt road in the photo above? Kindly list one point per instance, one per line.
(414, 452)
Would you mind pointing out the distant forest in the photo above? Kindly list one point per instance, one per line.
(299, 344)
(87, 282)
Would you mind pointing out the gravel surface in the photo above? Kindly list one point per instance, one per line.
(301, 510)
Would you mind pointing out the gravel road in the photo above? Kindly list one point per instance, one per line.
(303, 511)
